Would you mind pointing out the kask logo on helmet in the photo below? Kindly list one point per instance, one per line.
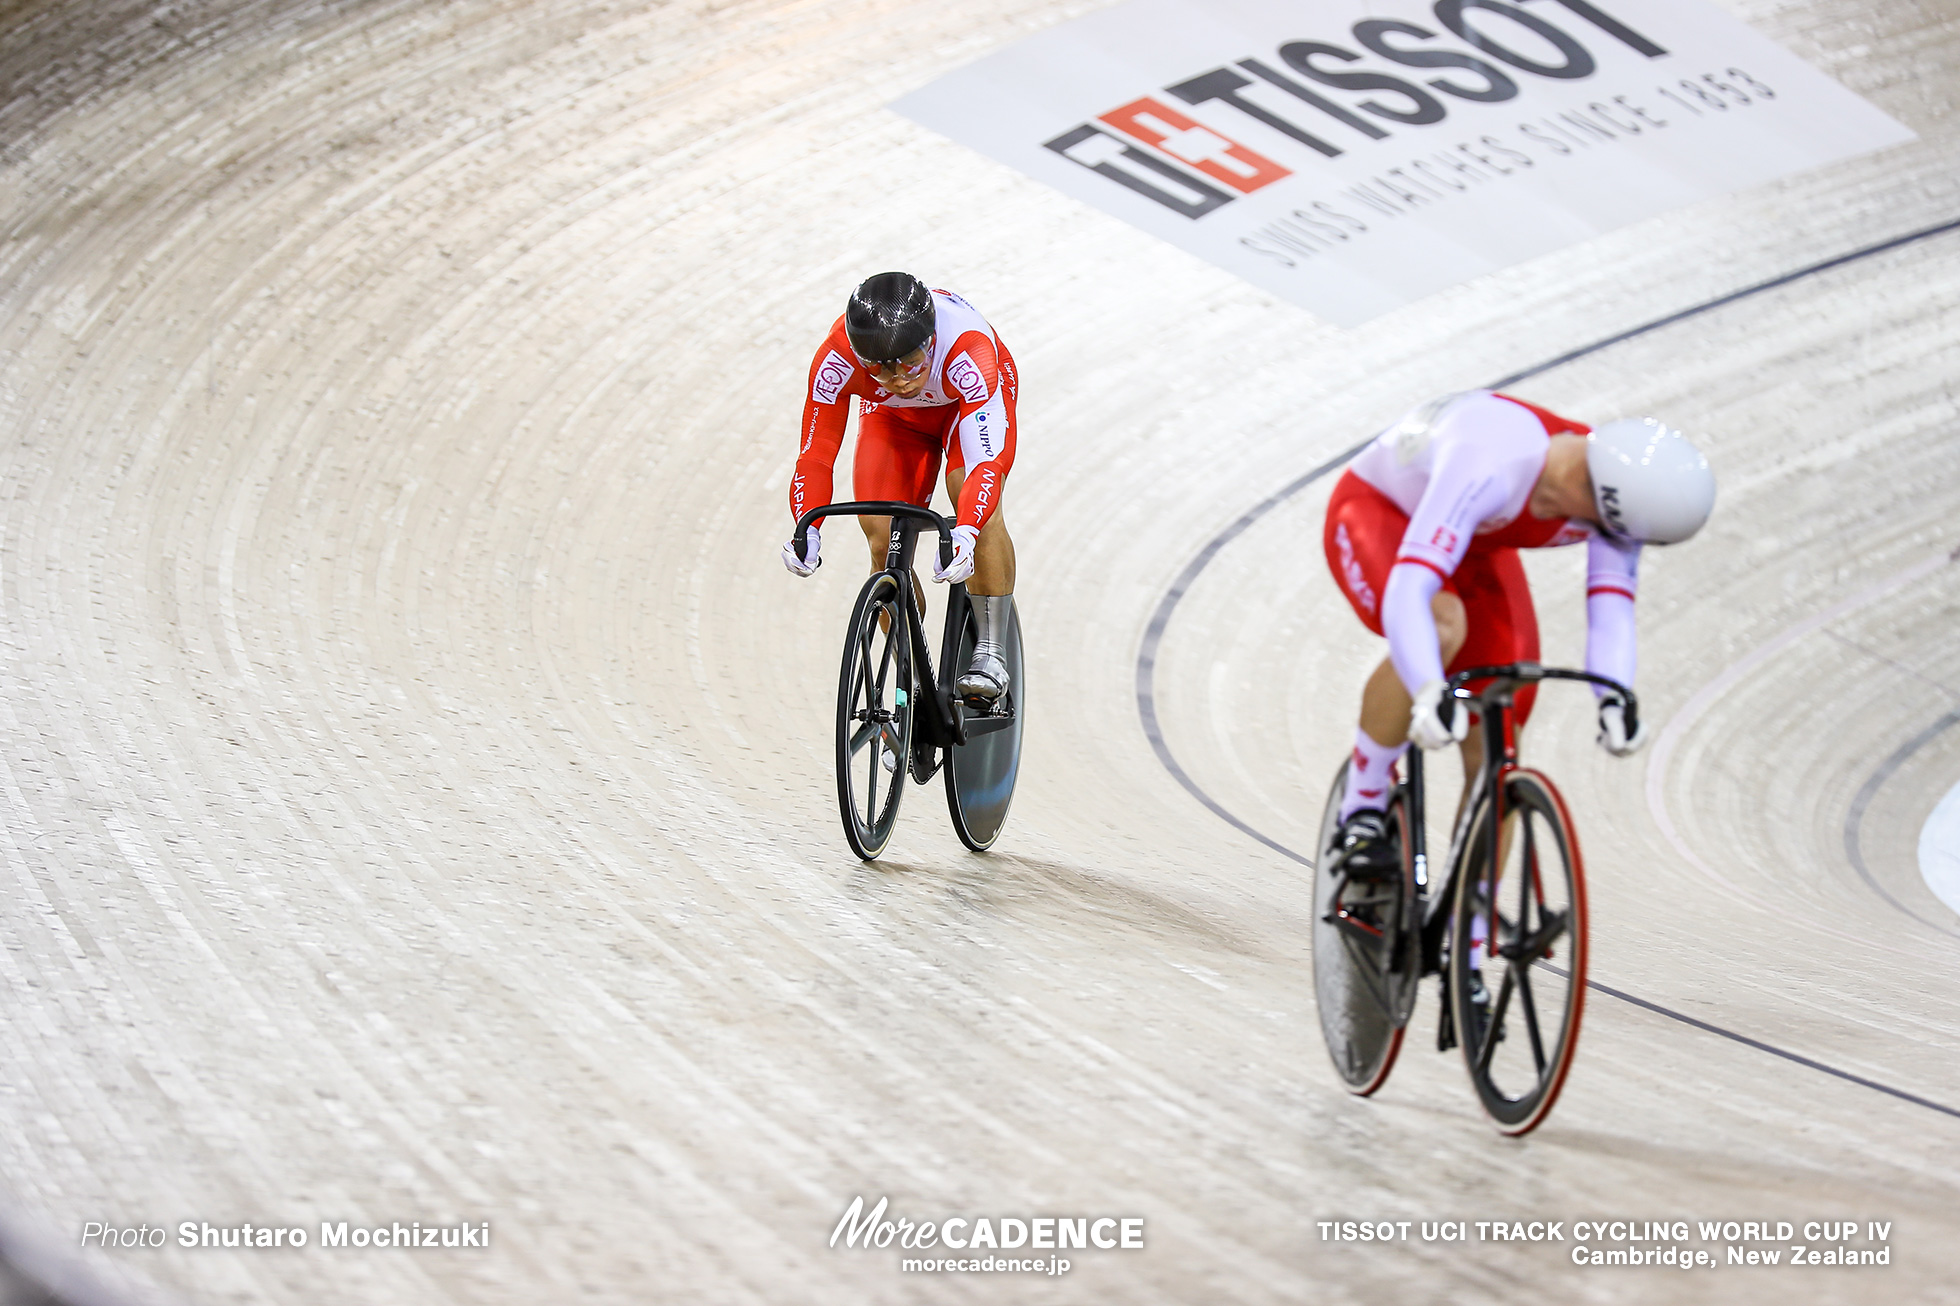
(1193, 169)
(1609, 507)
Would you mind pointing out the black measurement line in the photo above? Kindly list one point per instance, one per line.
(1758, 1044)
(1854, 821)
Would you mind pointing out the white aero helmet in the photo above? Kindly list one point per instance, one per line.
(1650, 482)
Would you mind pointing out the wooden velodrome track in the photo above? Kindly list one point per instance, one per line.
(415, 782)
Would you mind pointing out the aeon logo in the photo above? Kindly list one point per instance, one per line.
(966, 378)
(831, 376)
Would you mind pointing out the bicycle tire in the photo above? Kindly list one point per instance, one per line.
(1364, 984)
(1540, 898)
(982, 772)
(871, 718)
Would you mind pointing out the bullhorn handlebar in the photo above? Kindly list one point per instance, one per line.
(877, 508)
(1512, 674)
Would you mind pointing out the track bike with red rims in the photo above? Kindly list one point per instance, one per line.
(896, 715)
(1505, 930)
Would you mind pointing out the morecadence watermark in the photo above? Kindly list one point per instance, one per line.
(971, 1234)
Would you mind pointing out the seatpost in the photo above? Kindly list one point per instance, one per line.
(1496, 751)
(1497, 729)
(1418, 829)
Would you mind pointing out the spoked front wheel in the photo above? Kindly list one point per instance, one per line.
(874, 717)
(1517, 953)
(1367, 954)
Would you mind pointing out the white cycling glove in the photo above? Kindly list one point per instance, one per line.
(965, 541)
(798, 565)
(1613, 728)
(1426, 728)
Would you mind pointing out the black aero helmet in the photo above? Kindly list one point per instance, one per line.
(889, 316)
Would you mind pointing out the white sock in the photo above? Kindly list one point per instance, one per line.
(1371, 773)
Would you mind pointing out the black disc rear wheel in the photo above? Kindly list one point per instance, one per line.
(874, 717)
(1517, 954)
(981, 773)
(1367, 956)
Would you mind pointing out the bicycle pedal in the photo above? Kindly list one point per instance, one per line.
(1482, 1004)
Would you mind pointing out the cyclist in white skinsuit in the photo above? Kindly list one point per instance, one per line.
(1422, 534)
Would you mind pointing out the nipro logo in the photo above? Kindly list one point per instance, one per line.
(832, 374)
(1193, 168)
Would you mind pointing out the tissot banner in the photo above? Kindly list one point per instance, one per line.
(1355, 155)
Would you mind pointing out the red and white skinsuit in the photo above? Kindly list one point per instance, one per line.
(1439, 501)
(965, 411)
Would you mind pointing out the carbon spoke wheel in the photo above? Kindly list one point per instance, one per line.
(1367, 954)
(874, 717)
(1517, 953)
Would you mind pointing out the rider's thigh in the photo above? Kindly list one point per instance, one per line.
(877, 534)
(897, 454)
(1362, 532)
(1452, 623)
(1502, 622)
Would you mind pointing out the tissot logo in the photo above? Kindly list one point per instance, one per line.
(1194, 169)
(1353, 156)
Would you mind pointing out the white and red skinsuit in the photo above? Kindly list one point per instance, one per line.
(965, 412)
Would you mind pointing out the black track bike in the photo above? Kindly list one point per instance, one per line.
(1506, 929)
(895, 715)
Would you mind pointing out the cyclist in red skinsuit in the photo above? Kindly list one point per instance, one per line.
(1422, 534)
(951, 391)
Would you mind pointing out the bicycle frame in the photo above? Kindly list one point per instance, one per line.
(943, 727)
(1493, 703)
(1486, 928)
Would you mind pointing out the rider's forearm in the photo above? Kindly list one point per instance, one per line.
(1610, 641)
(823, 436)
(809, 486)
(1409, 621)
(1612, 578)
(980, 494)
